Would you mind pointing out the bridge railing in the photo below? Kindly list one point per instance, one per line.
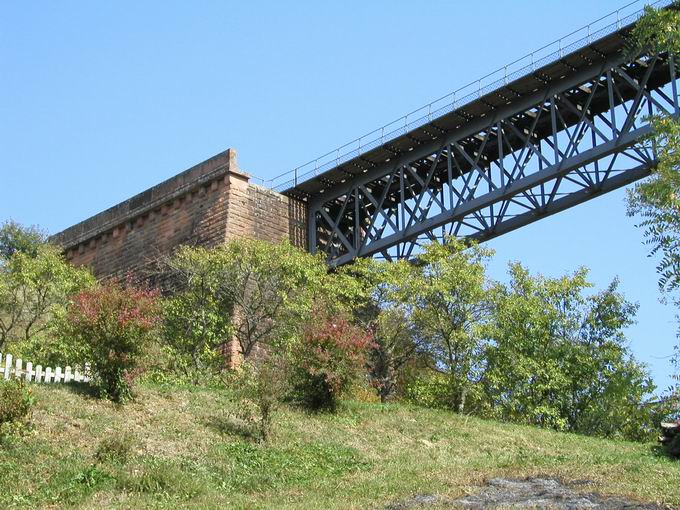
(552, 52)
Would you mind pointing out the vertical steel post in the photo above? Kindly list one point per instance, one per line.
(311, 228)
(357, 222)
(553, 118)
(612, 102)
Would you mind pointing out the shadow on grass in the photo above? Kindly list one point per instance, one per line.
(82, 389)
(229, 425)
(661, 452)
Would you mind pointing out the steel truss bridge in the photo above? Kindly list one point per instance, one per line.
(531, 144)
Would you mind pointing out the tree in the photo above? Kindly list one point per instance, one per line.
(380, 308)
(259, 293)
(658, 31)
(273, 287)
(34, 289)
(674, 397)
(657, 200)
(557, 357)
(15, 237)
(449, 303)
(197, 315)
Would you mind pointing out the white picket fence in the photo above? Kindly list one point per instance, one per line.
(14, 369)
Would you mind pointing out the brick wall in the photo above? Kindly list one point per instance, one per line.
(205, 205)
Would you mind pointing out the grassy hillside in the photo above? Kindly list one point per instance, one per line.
(186, 452)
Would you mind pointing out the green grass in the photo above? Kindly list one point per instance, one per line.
(173, 447)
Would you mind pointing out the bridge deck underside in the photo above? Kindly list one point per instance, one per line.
(563, 143)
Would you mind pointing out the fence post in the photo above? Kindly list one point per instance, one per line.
(14, 368)
(8, 365)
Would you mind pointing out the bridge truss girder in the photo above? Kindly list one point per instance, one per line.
(562, 145)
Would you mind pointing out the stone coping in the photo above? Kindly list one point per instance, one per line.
(217, 166)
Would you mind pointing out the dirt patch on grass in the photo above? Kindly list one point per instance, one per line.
(528, 493)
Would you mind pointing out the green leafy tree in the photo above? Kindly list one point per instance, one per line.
(657, 199)
(259, 293)
(673, 398)
(657, 31)
(394, 346)
(15, 237)
(558, 358)
(197, 315)
(449, 304)
(657, 202)
(34, 289)
(380, 307)
(272, 287)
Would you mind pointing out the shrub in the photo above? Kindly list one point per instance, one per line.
(16, 403)
(428, 390)
(91, 476)
(159, 476)
(117, 447)
(258, 387)
(328, 358)
(113, 323)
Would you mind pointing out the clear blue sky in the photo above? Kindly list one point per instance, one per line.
(100, 100)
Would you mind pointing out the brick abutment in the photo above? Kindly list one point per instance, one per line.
(205, 205)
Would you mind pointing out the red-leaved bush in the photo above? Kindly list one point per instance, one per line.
(113, 322)
(330, 356)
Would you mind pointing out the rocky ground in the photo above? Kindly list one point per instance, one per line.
(527, 493)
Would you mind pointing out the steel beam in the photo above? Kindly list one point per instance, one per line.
(567, 141)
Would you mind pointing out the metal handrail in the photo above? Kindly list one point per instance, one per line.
(493, 81)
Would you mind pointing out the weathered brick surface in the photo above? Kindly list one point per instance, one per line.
(205, 205)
